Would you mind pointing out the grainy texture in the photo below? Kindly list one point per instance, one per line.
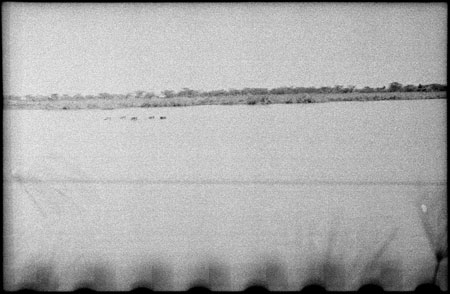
(230, 197)
(117, 103)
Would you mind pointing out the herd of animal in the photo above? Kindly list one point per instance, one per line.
(133, 117)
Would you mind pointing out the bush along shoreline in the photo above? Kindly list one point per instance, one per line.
(247, 96)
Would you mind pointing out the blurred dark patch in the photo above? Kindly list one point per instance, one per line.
(427, 288)
(256, 287)
(219, 276)
(371, 288)
(328, 274)
(442, 275)
(38, 277)
(97, 277)
(381, 270)
(155, 275)
(313, 288)
(142, 286)
(329, 271)
(269, 274)
(387, 274)
(141, 289)
(276, 276)
(199, 289)
(333, 275)
(440, 255)
(212, 275)
(84, 289)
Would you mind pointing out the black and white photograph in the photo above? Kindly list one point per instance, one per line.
(254, 146)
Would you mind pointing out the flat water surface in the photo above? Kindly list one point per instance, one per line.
(232, 183)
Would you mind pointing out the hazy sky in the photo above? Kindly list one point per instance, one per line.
(119, 48)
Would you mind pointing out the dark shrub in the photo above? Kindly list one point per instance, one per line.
(251, 101)
(39, 277)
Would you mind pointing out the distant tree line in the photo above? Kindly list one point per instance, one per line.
(186, 92)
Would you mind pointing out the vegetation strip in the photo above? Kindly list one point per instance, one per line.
(248, 96)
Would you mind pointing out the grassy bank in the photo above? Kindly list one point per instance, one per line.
(99, 103)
